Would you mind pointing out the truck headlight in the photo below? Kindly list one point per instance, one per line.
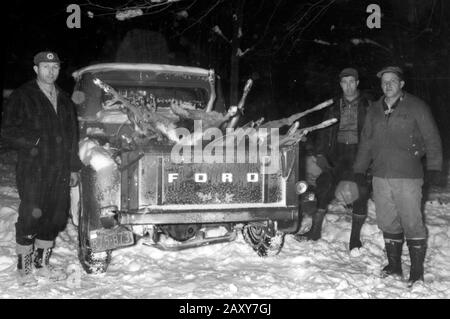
(301, 187)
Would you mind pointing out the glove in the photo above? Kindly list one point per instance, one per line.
(322, 163)
(347, 192)
(433, 177)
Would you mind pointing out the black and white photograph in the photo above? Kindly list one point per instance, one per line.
(245, 151)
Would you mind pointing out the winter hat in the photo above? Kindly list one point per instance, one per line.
(391, 69)
(46, 56)
(349, 72)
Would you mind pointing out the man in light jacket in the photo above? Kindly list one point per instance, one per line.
(399, 130)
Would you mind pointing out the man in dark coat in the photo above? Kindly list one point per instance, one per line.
(398, 131)
(39, 120)
(336, 149)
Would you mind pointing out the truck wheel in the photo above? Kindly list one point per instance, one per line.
(263, 238)
(92, 263)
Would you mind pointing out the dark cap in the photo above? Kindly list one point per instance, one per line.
(46, 56)
(349, 72)
(391, 69)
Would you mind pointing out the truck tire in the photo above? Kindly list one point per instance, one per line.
(92, 263)
(263, 238)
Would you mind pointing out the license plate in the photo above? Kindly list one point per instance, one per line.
(106, 239)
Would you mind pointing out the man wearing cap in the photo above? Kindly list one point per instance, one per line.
(40, 122)
(399, 130)
(336, 149)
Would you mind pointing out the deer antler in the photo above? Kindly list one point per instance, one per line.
(296, 136)
(145, 121)
(291, 119)
(241, 103)
(212, 85)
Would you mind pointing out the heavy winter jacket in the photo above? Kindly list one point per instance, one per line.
(47, 145)
(326, 143)
(30, 121)
(396, 143)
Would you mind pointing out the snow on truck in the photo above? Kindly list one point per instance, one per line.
(151, 173)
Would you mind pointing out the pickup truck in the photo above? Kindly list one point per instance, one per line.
(142, 193)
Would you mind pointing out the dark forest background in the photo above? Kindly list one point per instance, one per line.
(292, 49)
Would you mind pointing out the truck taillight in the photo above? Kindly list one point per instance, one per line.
(108, 216)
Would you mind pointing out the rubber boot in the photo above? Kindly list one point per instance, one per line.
(394, 248)
(25, 265)
(357, 223)
(315, 232)
(42, 254)
(417, 250)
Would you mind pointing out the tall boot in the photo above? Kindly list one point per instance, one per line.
(42, 254)
(24, 265)
(315, 232)
(394, 246)
(357, 223)
(417, 250)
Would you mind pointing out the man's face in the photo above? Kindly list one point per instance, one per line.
(391, 84)
(47, 72)
(349, 86)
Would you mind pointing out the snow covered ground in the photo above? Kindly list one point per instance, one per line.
(323, 269)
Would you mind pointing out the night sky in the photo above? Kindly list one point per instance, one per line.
(297, 47)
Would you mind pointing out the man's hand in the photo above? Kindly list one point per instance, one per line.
(74, 179)
(433, 177)
(322, 162)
